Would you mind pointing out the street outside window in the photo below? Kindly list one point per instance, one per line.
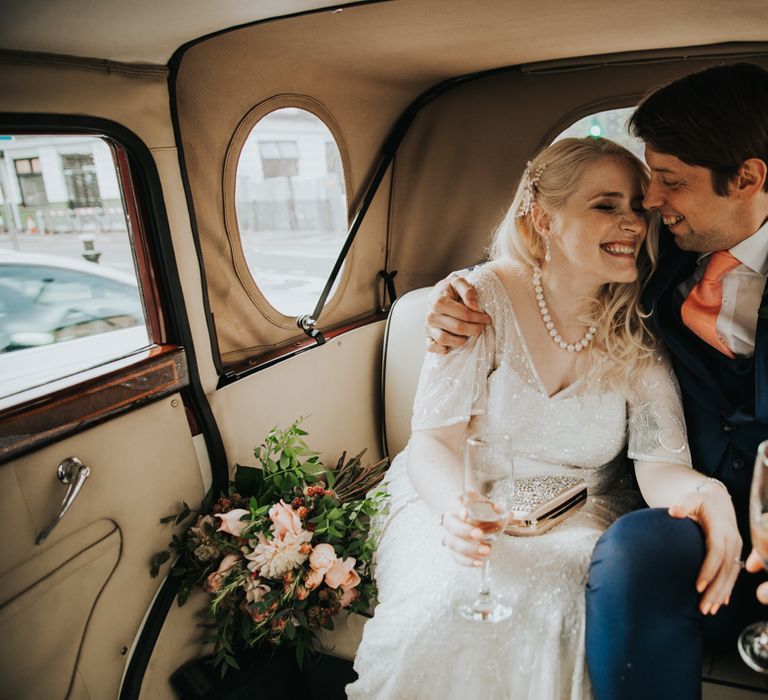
(291, 207)
(69, 293)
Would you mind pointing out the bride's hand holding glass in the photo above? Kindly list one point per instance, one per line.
(755, 564)
(465, 541)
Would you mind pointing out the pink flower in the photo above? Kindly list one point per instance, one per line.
(276, 557)
(323, 557)
(228, 562)
(255, 589)
(212, 583)
(349, 596)
(313, 579)
(231, 523)
(343, 574)
(284, 519)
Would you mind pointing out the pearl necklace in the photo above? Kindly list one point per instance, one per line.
(550, 325)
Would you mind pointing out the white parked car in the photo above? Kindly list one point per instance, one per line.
(60, 315)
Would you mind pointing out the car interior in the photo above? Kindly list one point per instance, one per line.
(428, 111)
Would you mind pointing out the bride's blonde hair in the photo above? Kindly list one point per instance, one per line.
(623, 344)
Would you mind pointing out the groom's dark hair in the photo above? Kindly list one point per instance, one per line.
(716, 118)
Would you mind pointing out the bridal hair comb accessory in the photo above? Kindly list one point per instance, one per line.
(538, 503)
(530, 188)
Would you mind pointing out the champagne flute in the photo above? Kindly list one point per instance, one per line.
(753, 641)
(488, 468)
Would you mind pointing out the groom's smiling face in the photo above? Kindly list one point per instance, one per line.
(698, 218)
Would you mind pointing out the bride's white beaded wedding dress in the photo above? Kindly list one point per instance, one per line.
(416, 646)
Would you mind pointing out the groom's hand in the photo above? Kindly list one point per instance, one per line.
(712, 509)
(454, 314)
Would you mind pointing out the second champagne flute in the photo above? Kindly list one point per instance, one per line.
(488, 471)
(753, 641)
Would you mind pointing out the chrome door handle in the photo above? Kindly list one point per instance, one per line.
(73, 472)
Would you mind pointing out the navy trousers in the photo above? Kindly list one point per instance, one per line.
(645, 633)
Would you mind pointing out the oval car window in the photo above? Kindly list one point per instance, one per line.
(291, 207)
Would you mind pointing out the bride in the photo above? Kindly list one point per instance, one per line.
(568, 369)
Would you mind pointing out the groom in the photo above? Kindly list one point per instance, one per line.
(706, 139)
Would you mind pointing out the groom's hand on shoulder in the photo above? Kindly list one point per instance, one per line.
(454, 314)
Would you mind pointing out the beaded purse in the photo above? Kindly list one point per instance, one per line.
(538, 503)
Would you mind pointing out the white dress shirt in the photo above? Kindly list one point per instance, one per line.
(742, 292)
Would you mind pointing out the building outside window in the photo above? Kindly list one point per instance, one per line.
(58, 185)
(279, 158)
(333, 160)
(30, 176)
(80, 175)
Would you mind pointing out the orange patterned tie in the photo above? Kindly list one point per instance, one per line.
(701, 308)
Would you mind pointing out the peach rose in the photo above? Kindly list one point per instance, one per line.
(284, 519)
(258, 617)
(323, 557)
(231, 523)
(313, 579)
(228, 562)
(349, 596)
(212, 583)
(343, 574)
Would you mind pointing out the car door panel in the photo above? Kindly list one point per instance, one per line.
(71, 607)
(334, 387)
(58, 605)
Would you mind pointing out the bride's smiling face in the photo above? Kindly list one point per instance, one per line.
(600, 229)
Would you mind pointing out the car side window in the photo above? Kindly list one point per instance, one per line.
(291, 203)
(70, 296)
(611, 124)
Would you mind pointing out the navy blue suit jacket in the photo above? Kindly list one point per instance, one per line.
(725, 400)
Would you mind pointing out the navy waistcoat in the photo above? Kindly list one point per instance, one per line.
(725, 400)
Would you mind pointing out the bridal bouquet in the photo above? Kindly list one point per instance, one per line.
(284, 551)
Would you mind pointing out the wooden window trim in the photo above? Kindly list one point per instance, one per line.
(40, 416)
(244, 368)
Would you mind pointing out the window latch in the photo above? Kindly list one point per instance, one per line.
(308, 325)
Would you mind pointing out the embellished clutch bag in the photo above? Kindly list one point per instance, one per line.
(538, 503)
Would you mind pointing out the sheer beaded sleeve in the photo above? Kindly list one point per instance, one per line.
(452, 388)
(656, 421)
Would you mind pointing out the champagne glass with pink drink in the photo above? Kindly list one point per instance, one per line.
(488, 471)
(753, 641)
